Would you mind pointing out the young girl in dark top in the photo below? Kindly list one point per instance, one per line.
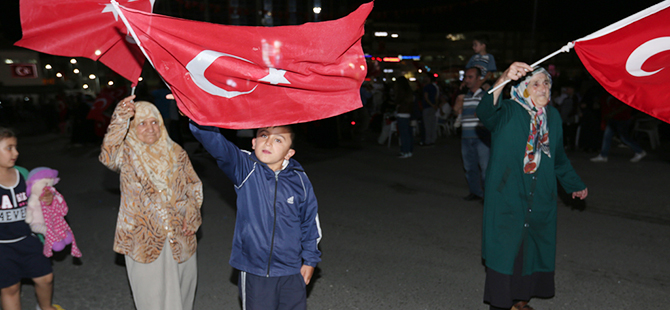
(20, 251)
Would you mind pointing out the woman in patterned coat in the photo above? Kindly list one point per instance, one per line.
(159, 214)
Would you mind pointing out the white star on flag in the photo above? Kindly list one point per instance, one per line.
(275, 77)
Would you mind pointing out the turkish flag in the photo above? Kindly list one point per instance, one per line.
(24, 70)
(83, 28)
(242, 77)
(631, 59)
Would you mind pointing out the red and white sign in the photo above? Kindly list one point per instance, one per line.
(631, 59)
(24, 70)
(248, 77)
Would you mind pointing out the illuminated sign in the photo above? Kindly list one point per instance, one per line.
(394, 59)
(24, 70)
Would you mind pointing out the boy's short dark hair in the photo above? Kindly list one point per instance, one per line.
(291, 129)
(6, 133)
(482, 39)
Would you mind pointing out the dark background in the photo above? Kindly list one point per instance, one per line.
(567, 19)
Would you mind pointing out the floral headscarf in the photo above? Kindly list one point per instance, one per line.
(157, 159)
(538, 139)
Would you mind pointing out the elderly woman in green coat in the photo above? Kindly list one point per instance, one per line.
(527, 156)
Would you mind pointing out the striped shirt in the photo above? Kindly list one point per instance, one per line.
(468, 119)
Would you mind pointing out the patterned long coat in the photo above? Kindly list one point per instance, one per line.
(146, 221)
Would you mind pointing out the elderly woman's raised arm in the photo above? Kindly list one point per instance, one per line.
(116, 133)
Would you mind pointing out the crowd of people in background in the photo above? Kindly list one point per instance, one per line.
(434, 109)
(587, 110)
(69, 114)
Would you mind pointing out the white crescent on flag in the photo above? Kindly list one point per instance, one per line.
(643, 53)
(201, 62)
(199, 65)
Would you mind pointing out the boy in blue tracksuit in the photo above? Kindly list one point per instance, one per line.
(275, 245)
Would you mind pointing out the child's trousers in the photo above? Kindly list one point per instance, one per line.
(272, 293)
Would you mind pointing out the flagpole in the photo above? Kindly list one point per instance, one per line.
(563, 49)
(135, 37)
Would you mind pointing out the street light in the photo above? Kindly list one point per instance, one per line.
(317, 10)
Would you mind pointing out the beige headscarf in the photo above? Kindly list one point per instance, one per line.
(157, 159)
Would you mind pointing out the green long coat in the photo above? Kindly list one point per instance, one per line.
(521, 208)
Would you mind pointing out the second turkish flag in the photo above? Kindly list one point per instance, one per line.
(248, 77)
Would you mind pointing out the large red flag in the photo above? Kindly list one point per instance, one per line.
(83, 28)
(629, 59)
(248, 77)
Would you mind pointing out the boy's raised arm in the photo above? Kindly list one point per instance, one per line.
(228, 156)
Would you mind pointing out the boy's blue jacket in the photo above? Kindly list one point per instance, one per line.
(277, 227)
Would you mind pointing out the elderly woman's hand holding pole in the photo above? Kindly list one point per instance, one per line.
(515, 71)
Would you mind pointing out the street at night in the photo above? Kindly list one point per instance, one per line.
(396, 232)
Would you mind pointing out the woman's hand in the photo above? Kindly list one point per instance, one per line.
(185, 230)
(126, 108)
(515, 71)
(581, 194)
(47, 197)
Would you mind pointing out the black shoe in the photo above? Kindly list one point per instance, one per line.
(472, 197)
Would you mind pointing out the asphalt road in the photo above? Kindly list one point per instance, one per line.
(397, 234)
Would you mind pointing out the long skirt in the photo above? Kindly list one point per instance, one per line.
(502, 291)
(163, 284)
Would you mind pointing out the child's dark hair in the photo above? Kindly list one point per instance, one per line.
(6, 133)
(482, 39)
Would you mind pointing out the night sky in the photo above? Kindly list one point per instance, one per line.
(568, 19)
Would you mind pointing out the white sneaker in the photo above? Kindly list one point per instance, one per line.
(405, 155)
(638, 156)
(600, 159)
